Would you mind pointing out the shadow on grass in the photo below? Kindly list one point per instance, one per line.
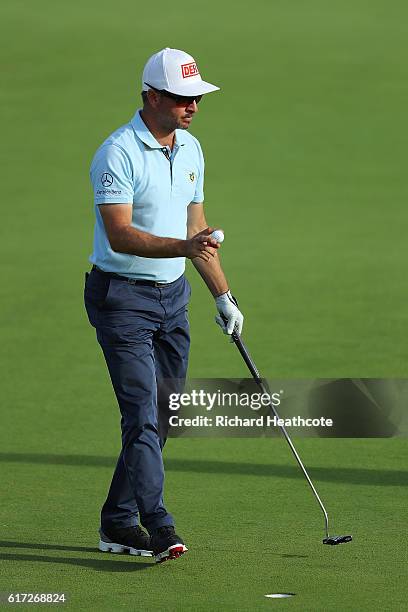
(41, 546)
(352, 475)
(100, 565)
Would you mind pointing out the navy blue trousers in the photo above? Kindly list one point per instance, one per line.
(143, 331)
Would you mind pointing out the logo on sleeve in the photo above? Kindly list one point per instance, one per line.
(106, 179)
(189, 70)
(192, 177)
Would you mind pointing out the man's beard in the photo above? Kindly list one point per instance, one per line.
(172, 124)
(184, 127)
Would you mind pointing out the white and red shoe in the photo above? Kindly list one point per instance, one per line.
(166, 544)
(131, 540)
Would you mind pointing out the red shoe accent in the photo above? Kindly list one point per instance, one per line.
(176, 552)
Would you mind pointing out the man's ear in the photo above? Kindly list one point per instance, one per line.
(153, 98)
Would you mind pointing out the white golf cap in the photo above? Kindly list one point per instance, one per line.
(176, 72)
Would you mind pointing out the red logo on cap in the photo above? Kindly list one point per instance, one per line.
(189, 70)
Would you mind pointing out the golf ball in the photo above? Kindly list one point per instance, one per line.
(218, 235)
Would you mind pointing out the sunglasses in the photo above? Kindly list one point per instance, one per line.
(180, 100)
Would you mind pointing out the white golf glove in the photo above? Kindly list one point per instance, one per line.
(230, 318)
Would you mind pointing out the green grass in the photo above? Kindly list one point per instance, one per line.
(305, 150)
(252, 526)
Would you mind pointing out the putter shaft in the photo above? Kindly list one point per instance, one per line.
(254, 371)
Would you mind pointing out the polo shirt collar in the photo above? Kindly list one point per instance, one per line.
(145, 135)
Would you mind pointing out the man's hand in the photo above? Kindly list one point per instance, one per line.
(230, 318)
(201, 245)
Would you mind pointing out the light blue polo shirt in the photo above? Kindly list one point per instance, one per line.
(131, 167)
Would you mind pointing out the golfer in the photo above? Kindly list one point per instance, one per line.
(148, 186)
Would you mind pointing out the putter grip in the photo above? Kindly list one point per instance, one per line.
(234, 334)
(244, 353)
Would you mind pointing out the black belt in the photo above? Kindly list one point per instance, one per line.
(132, 281)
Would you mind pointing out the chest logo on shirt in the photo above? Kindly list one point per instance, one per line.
(192, 177)
(106, 179)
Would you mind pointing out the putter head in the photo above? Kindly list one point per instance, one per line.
(333, 540)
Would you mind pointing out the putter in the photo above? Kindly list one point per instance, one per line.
(331, 540)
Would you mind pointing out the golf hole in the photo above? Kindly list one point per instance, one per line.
(279, 595)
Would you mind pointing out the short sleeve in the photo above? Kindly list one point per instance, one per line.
(112, 176)
(199, 192)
